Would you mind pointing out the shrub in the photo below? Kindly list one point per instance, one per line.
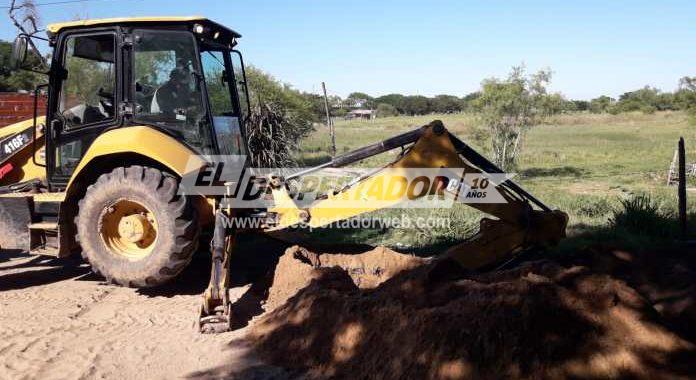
(280, 117)
(386, 110)
(265, 89)
(641, 215)
(272, 133)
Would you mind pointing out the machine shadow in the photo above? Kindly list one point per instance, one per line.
(10, 254)
(254, 256)
(192, 280)
(50, 270)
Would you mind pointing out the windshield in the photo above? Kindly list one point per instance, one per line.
(167, 86)
(219, 74)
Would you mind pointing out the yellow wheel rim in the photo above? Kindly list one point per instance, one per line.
(128, 229)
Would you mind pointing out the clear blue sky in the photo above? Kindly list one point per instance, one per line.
(434, 47)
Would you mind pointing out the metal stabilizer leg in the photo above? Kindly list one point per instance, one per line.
(215, 313)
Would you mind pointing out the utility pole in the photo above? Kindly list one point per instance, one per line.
(329, 122)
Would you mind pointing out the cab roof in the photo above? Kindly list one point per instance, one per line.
(57, 27)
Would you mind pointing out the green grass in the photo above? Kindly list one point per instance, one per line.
(583, 164)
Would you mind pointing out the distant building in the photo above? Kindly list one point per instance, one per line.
(355, 103)
(361, 114)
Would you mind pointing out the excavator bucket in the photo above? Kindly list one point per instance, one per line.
(496, 242)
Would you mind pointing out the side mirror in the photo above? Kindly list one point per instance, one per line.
(19, 51)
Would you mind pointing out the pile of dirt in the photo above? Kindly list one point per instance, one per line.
(542, 319)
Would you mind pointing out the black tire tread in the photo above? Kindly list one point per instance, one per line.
(186, 228)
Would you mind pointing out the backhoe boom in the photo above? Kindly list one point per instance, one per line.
(518, 225)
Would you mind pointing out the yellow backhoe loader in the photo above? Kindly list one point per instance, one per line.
(135, 105)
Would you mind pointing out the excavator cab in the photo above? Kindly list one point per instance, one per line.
(179, 76)
(130, 101)
(183, 79)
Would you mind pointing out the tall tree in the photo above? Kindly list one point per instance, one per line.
(12, 80)
(509, 107)
(687, 83)
(685, 97)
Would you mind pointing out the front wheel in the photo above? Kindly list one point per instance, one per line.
(135, 229)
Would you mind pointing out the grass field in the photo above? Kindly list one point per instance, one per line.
(583, 164)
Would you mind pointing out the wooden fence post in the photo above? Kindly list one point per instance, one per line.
(329, 122)
(682, 189)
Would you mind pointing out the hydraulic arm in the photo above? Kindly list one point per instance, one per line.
(522, 221)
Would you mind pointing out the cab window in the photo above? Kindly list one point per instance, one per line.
(168, 88)
(219, 80)
(87, 91)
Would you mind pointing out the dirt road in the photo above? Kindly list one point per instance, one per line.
(60, 321)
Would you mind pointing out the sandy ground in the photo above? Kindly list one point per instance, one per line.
(598, 313)
(59, 321)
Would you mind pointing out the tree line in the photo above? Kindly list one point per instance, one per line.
(647, 99)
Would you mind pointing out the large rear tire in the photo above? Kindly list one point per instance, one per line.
(134, 229)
